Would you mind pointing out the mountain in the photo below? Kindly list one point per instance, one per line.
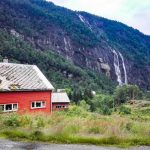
(74, 46)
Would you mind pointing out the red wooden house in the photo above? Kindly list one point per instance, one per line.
(23, 88)
(60, 101)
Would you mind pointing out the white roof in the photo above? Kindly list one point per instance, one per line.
(60, 97)
(19, 77)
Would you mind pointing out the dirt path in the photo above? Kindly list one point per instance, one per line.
(10, 145)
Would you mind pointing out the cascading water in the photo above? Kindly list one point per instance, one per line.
(65, 42)
(117, 67)
(82, 19)
(124, 68)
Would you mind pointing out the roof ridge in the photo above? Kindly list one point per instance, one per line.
(16, 64)
(27, 77)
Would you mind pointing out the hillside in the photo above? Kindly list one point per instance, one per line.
(62, 73)
(101, 46)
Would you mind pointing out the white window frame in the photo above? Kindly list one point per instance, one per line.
(12, 110)
(42, 106)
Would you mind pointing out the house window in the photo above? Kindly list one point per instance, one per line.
(8, 107)
(15, 106)
(58, 106)
(38, 104)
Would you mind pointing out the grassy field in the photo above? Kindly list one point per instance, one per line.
(78, 126)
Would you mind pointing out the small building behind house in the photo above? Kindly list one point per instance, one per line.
(60, 100)
(24, 88)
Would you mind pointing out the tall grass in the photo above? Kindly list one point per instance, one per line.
(77, 126)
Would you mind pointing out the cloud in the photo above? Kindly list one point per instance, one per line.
(135, 13)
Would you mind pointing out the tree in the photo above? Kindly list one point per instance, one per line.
(84, 105)
(77, 95)
(126, 92)
(148, 95)
(121, 95)
(133, 91)
(103, 104)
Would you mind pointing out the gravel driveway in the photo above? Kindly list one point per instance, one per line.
(10, 145)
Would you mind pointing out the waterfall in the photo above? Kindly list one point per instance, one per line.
(117, 67)
(82, 19)
(65, 42)
(67, 47)
(124, 69)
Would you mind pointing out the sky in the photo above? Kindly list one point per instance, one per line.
(135, 13)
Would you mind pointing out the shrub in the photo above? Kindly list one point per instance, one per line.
(106, 110)
(103, 104)
(71, 129)
(129, 126)
(148, 96)
(37, 135)
(84, 105)
(12, 120)
(25, 120)
(124, 110)
(40, 122)
(77, 111)
(94, 130)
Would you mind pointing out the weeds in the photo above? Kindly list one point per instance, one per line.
(68, 127)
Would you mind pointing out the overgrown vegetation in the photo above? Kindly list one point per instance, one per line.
(99, 119)
(106, 104)
(76, 125)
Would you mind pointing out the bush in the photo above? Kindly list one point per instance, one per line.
(12, 120)
(84, 105)
(37, 135)
(71, 129)
(103, 104)
(148, 96)
(129, 126)
(76, 111)
(26, 120)
(124, 110)
(95, 130)
(106, 110)
(40, 122)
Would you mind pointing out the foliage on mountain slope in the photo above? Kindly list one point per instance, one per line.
(61, 73)
(32, 17)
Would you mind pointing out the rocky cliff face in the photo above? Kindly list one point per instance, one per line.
(98, 59)
(115, 52)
